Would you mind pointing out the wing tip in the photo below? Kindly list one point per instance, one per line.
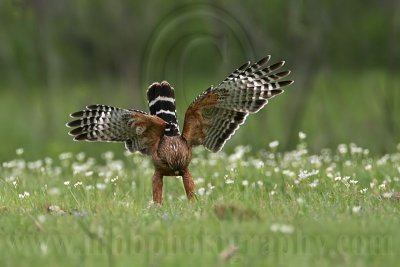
(77, 114)
(244, 66)
(286, 83)
(278, 65)
(264, 60)
(81, 137)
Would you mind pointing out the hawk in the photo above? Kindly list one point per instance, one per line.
(210, 120)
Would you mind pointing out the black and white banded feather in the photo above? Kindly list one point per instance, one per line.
(244, 92)
(210, 120)
(107, 124)
(161, 99)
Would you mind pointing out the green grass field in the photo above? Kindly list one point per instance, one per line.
(266, 208)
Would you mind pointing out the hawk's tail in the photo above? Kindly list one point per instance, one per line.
(161, 99)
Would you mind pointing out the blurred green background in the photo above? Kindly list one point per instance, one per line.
(58, 56)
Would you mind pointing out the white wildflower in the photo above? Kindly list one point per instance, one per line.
(274, 144)
(43, 248)
(314, 183)
(342, 148)
(363, 190)
(48, 161)
(35, 165)
(210, 186)
(201, 191)
(109, 155)
(116, 165)
(245, 183)
(287, 229)
(368, 167)
(383, 160)
(65, 156)
(80, 156)
(239, 152)
(89, 187)
(303, 174)
(25, 194)
(199, 180)
(330, 168)
(289, 173)
(229, 181)
(300, 200)
(67, 183)
(282, 228)
(302, 135)
(19, 151)
(354, 149)
(387, 194)
(41, 218)
(353, 181)
(356, 209)
(79, 183)
(315, 160)
(258, 164)
(101, 186)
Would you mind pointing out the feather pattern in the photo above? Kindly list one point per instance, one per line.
(111, 124)
(161, 99)
(210, 120)
(218, 112)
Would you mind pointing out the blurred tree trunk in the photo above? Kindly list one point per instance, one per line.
(41, 10)
(391, 92)
(309, 42)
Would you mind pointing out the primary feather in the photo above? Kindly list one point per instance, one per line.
(215, 115)
(136, 128)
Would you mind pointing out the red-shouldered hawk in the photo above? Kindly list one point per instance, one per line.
(210, 120)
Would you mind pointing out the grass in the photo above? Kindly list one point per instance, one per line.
(254, 208)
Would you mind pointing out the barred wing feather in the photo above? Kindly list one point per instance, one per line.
(137, 129)
(215, 115)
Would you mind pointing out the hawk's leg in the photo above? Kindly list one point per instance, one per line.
(188, 184)
(157, 187)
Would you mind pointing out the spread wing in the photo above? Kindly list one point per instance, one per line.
(214, 116)
(138, 130)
